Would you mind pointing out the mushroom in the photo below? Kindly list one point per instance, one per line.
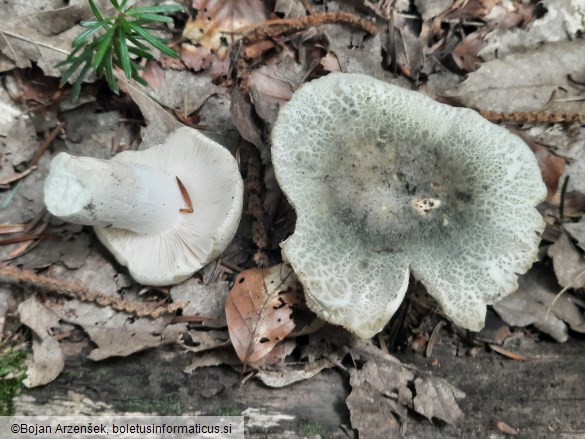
(387, 182)
(164, 212)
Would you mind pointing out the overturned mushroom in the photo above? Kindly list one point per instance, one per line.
(386, 182)
(164, 212)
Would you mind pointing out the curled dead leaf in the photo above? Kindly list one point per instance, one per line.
(259, 310)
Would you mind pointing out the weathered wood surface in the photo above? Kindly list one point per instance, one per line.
(542, 398)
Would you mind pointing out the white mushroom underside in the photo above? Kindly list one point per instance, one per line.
(387, 181)
(211, 176)
(111, 193)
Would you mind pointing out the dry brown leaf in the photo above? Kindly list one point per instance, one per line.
(272, 85)
(472, 9)
(529, 305)
(374, 402)
(179, 90)
(552, 166)
(384, 388)
(96, 273)
(275, 82)
(242, 115)
(537, 80)
(160, 122)
(122, 338)
(256, 50)
(217, 19)
(259, 310)
(48, 360)
(71, 250)
(356, 54)
(211, 32)
(436, 398)
(115, 333)
(577, 231)
(466, 52)
(31, 36)
(568, 263)
(330, 63)
(194, 57)
(288, 375)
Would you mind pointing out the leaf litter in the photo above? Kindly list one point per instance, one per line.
(531, 304)
(259, 310)
(264, 65)
(383, 389)
(48, 360)
(536, 80)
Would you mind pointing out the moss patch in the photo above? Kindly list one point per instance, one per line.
(311, 427)
(230, 411)
(12, 373)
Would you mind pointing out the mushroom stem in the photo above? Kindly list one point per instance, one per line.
(113, 193)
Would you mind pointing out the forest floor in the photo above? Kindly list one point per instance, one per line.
(519, 63)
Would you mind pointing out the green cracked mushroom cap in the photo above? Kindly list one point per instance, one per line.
(386, 182)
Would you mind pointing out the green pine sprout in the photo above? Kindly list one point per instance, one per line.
(119, 36)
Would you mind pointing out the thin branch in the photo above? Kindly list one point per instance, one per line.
(534, 117)
(46, 143)
(273, 28)
(46, 284)
(15, 177)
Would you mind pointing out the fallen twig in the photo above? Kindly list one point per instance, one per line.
(273, 28)
(253, 184)
(21, 238)
(534, 117)
(7, 229)
(46, 143)
(18, 176)
(46, 284)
